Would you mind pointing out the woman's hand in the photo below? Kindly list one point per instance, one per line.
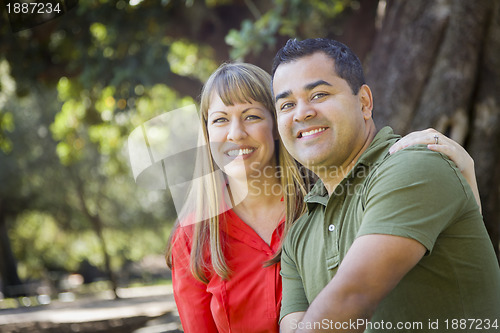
(440, 143)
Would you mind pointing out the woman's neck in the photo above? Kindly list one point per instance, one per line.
(255, 192)
(258, 203)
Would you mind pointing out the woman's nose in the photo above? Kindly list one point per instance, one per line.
(236, 131)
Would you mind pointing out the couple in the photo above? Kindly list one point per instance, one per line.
(383, 235)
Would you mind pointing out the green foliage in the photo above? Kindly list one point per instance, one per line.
(49, 229)
(37, 238)
(6, 125)
(69, 149)
(252, 37)
(288, 18)
(73, 89)
(191, 59)
(7, 88)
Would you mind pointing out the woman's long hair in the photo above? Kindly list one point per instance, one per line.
(234, 83)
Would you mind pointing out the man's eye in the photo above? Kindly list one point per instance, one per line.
(318, 95)
(286, 106)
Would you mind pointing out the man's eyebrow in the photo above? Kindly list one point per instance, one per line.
(313, 85)
(308, 87)
(284, 94)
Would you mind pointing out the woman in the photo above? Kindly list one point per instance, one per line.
(224, 250)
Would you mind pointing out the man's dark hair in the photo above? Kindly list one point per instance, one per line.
(347, 64)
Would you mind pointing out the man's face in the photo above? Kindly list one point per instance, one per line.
(321, 122)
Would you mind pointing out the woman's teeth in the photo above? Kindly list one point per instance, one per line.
(239, 152)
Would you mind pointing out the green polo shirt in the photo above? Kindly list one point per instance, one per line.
(415, 193)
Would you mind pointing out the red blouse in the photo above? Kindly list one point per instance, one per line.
(249, 301)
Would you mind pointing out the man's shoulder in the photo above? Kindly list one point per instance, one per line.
(416, 162)
(414, 153)
(414, 172)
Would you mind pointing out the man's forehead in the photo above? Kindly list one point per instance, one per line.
(303, 76)
(307, 66)
(318, 58)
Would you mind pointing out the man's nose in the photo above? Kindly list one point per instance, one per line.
(303, 111)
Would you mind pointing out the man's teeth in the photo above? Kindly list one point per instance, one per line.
(239, 152)
(313, 131)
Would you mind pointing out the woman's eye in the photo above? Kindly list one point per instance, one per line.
(219, 120)
(253, 117)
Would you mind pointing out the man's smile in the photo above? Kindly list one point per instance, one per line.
(310, 132)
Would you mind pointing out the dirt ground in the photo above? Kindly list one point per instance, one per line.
(139, 310)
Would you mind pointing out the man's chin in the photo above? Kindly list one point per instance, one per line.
(310, 162)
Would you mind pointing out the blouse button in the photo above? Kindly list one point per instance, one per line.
(331, 227)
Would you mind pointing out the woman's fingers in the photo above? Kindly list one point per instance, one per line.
(419, 137)
(436, 141)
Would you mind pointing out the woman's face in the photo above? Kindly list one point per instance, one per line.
(242, 138)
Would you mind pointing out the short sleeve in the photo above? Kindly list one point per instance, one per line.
(294, 297)
(191, 296)
(415, 193)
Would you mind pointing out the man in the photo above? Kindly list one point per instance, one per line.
(395, 239)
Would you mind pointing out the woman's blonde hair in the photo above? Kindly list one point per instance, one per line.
(234, 83)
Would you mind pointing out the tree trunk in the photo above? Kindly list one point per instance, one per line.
(97, 224)
(436, 64)
(484, 143)
(10, 284)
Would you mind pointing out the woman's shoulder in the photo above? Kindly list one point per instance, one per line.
(183, 233)
(181, 245)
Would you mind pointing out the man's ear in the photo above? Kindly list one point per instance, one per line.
(366, 99)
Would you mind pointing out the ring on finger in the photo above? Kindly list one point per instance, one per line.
(436, 139)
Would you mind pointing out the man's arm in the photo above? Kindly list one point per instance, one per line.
(294, 301)
(290, 322)
(373, 266)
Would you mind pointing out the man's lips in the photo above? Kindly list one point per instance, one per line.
(310, 131)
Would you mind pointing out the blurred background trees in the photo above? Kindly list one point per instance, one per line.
(73, 88)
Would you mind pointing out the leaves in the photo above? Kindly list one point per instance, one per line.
(73, 89)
